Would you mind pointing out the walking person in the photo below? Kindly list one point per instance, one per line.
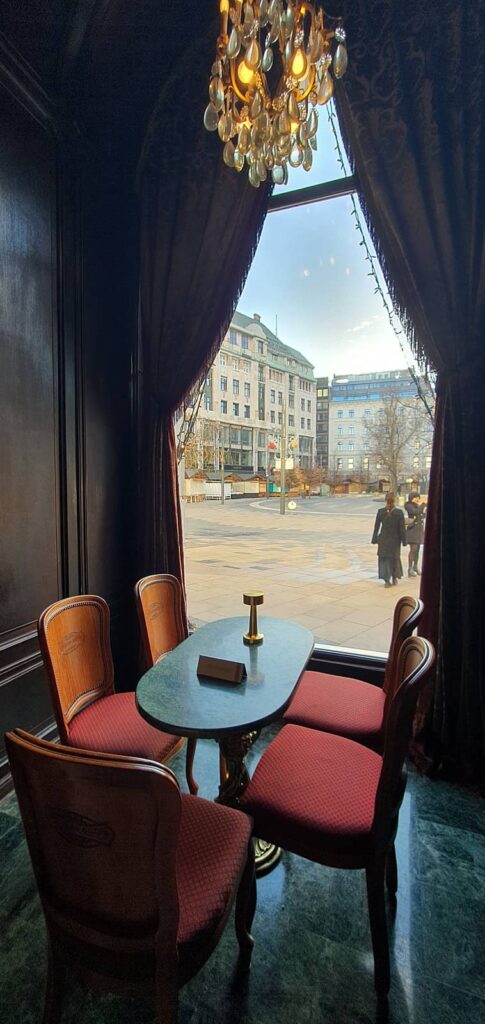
(389, 533)
(416, 511)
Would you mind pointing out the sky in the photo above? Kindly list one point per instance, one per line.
(309, 281)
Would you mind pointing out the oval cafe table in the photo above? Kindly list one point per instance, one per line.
(172, 697)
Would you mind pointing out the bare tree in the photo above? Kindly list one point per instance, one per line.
(396, 434)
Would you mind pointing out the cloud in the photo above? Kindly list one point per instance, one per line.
(305, 272)
(364, 324)
(332, 261)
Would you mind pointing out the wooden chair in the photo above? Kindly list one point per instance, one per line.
(159, 604)
(136, 880)
(74, 640)
(336, 802)
(351, 707)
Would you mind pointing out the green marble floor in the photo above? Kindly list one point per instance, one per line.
(312, 960)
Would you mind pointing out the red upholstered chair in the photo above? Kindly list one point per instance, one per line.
(351, 707)
(159, 604)
(136, 880)
(336, 802)
(74, 640)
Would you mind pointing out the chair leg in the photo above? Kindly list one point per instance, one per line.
(378, 925)
(189, 764)
(245, 909)
(166, 993)
(391, 871)
(56, 974)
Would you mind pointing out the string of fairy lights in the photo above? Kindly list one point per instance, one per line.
(375, 272)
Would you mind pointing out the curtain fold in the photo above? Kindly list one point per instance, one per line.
(199, 227)
(412, 111)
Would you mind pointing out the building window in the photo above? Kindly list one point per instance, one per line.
(350, 463)
(235, 386)
(223, 383)
(222, 359)
(340, 431)
(302, 404)
(272, 397)
(272, 416)
(261, 439)
(416, 461)
(235, 408)
(207, 403)
(339, 446)
(291, 401)
(291, 421)
(246, 366)
(309, 406)
(351, 413)
(428, 462)
(366, 412)
(261, 348)
(247, 412)
(235, 364)
(351, 430)
(339, 463)
(366, 446)
(223, 406)
(350, 446)
(244, 341)
(366, 462)
(309, 424)
(233, 337)
(247, 390)
(340, 414)
(280, 398)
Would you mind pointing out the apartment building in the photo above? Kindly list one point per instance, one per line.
(242, 405)
(357, 401)
(321, 432)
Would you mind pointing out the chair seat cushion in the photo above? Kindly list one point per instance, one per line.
(313, 793)
(347, 707)
(211, 853)
(113, 725)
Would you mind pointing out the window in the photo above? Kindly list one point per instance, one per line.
(207, 403)
(340, 414)
(350, 446)
(291, 401)
(302, 423)
(280, 398)
(350, 463)
(272, 416)
(261, 443)
(235, 386)
(235, 408)
(366, 446)
(340, 431)
(351, 430)
(339, 446)
(235, 435)
(272, 397)
(222, 359)
(351, 413)
(246, 366)
(291, 421)
(309, 424)
(366, 462)
(247, 411)
(223, 383)
(339, 463)
(246, 436)
(223, 406)
(235, 364)
(247, 390)
(244, 341)
(233, 337)
(428, 462)
(309, 406)
(261, 348)
(416, 461)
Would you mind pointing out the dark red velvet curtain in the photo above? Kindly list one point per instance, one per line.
(412, 107)
(199, 228)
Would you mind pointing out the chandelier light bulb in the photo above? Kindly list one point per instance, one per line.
(275, 64)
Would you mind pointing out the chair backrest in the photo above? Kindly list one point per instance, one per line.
(416, 659)
(102, 831)
(160, 607)
(407, 614)
(75, 644)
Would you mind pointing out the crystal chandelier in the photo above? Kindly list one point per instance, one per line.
(272, 71)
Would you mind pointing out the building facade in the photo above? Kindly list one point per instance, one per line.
(241, 410)
(358, 402)
(321, 430)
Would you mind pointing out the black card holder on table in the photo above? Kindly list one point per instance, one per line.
(218, 670)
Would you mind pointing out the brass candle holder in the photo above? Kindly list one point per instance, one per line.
(253, 598)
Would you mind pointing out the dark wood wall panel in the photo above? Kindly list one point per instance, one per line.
(29, 518)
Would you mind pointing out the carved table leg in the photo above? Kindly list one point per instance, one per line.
(234, 779)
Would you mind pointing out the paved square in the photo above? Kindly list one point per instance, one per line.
(315, 565)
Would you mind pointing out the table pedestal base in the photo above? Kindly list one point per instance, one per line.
(234, 779)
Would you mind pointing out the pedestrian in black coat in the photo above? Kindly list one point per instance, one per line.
(415, 511)
(389, 533)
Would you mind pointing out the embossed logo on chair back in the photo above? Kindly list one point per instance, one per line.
(154, 610)
(78, 829)
(71, 641)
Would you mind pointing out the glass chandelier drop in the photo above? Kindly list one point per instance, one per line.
(272, 70)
